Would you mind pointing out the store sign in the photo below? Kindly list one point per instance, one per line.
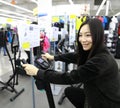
(29, 35)
(9, 20)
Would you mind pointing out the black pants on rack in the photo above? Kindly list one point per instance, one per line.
(76, 96)
(28, 54)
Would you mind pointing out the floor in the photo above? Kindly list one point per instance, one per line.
(25, 99)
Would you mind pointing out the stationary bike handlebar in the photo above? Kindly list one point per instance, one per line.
(42, 84)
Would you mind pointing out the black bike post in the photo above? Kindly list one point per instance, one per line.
(49, 95)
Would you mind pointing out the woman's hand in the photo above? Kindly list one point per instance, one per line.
(47, 56)
(30, 69)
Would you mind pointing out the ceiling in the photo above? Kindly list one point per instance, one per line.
(28, 4)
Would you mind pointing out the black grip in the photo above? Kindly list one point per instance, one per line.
(24, 61)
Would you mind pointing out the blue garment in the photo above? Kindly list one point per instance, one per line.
(105, 21)
(9, 36)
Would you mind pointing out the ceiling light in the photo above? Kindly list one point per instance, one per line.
(11, 16)
(4, 2)
(71, 2)
(35, 1)
(117, 14)
(100, 7)
(14, 13)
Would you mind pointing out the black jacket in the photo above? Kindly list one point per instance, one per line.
(99, 74)
(2, 39)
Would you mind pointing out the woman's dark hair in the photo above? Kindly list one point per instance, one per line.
(97, 32)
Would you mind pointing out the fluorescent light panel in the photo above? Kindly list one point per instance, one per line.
(71, 2)
(117, 14)
(14, 13)
(11, 16)
(35, 1)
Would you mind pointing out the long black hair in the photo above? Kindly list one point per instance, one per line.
(97, 32)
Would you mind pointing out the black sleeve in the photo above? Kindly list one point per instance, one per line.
(67, 57)
(90, 70)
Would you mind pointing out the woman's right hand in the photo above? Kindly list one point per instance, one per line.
(47, 56)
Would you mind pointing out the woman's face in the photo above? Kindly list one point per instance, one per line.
(85, 37)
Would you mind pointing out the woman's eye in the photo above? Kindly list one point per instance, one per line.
(88, 35)
(80, 35)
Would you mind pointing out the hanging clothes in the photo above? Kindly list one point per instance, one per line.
(119, 29)
(9, 36)
(3, 41)
(113, 23)
(44, 43)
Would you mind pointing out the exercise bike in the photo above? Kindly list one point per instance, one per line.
(42, 84)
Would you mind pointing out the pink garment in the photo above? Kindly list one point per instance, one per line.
(46, 44)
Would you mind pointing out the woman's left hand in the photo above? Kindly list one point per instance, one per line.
(30, 69)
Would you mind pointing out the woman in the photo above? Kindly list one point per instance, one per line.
(97, 69)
